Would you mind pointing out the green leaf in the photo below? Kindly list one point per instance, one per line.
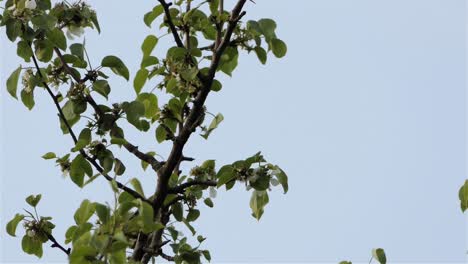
(44, 21)
(95, 22)
(208, 164)
(260, 183)
(135, 110)
(268, 27)
(77, 50)
(144, 164)
(463, 196)
(161, 134)
(200, 239)
(214, 124)
(150, 101)
(193, 215)
(146, 212)
(103, 212)
(261, 54)
(192, 230)
(216, 86)
(85, 135)
(254, 27)
(137, 185)
(281, 177)
(208, 202)
(49, 155)
(44, 5)
(148, 61)
(70, 116)
(189, 74)
(148, 45)
(44, 50)
(379, 255)
(257, 203)
(32, 246)
(78, 168)
(214, 4)
(190, 256)
(171, 84)
(24, 50)
(225, 175)
(178, 211)
(118, 255)
(85, 212)
(258, 157)
(83, 140)
(153, 14)
(116, 65)
(13, 224)
(13, 29)
(12, 82)
(229, 60)
(345, 262)
(27, 97)
(278, 47)
(81, 252)
(119, 167)
(107, 161)
(33, 200)
(176, 53)
(140, 80)
(57, 37)
(102, 87)
(206, 254)
(118, 141)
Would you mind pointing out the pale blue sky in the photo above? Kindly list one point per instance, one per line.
(366, 114)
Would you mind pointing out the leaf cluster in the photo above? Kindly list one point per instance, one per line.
(137, 227)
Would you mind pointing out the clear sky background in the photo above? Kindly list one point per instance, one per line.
(366, 114)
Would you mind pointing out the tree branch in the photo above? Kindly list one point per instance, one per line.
(177, 199)
(181, 188)
(195, 112)
(219, 26)
(67, 68)
(169, 21)
(75, 140)
(56, 244)
(197, 109)
(166, 257)
(155, 164)
(156, 239)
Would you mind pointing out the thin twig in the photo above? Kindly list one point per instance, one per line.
(155, 164)
(75, 140)
(219, 26)
(166, 257)
(56, 244)
(169, 21)
(175, 155)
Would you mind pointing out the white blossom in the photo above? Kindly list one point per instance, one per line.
(74, 32)
(274, 182)
(65, 173)
(30, 4)
(213, 192)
